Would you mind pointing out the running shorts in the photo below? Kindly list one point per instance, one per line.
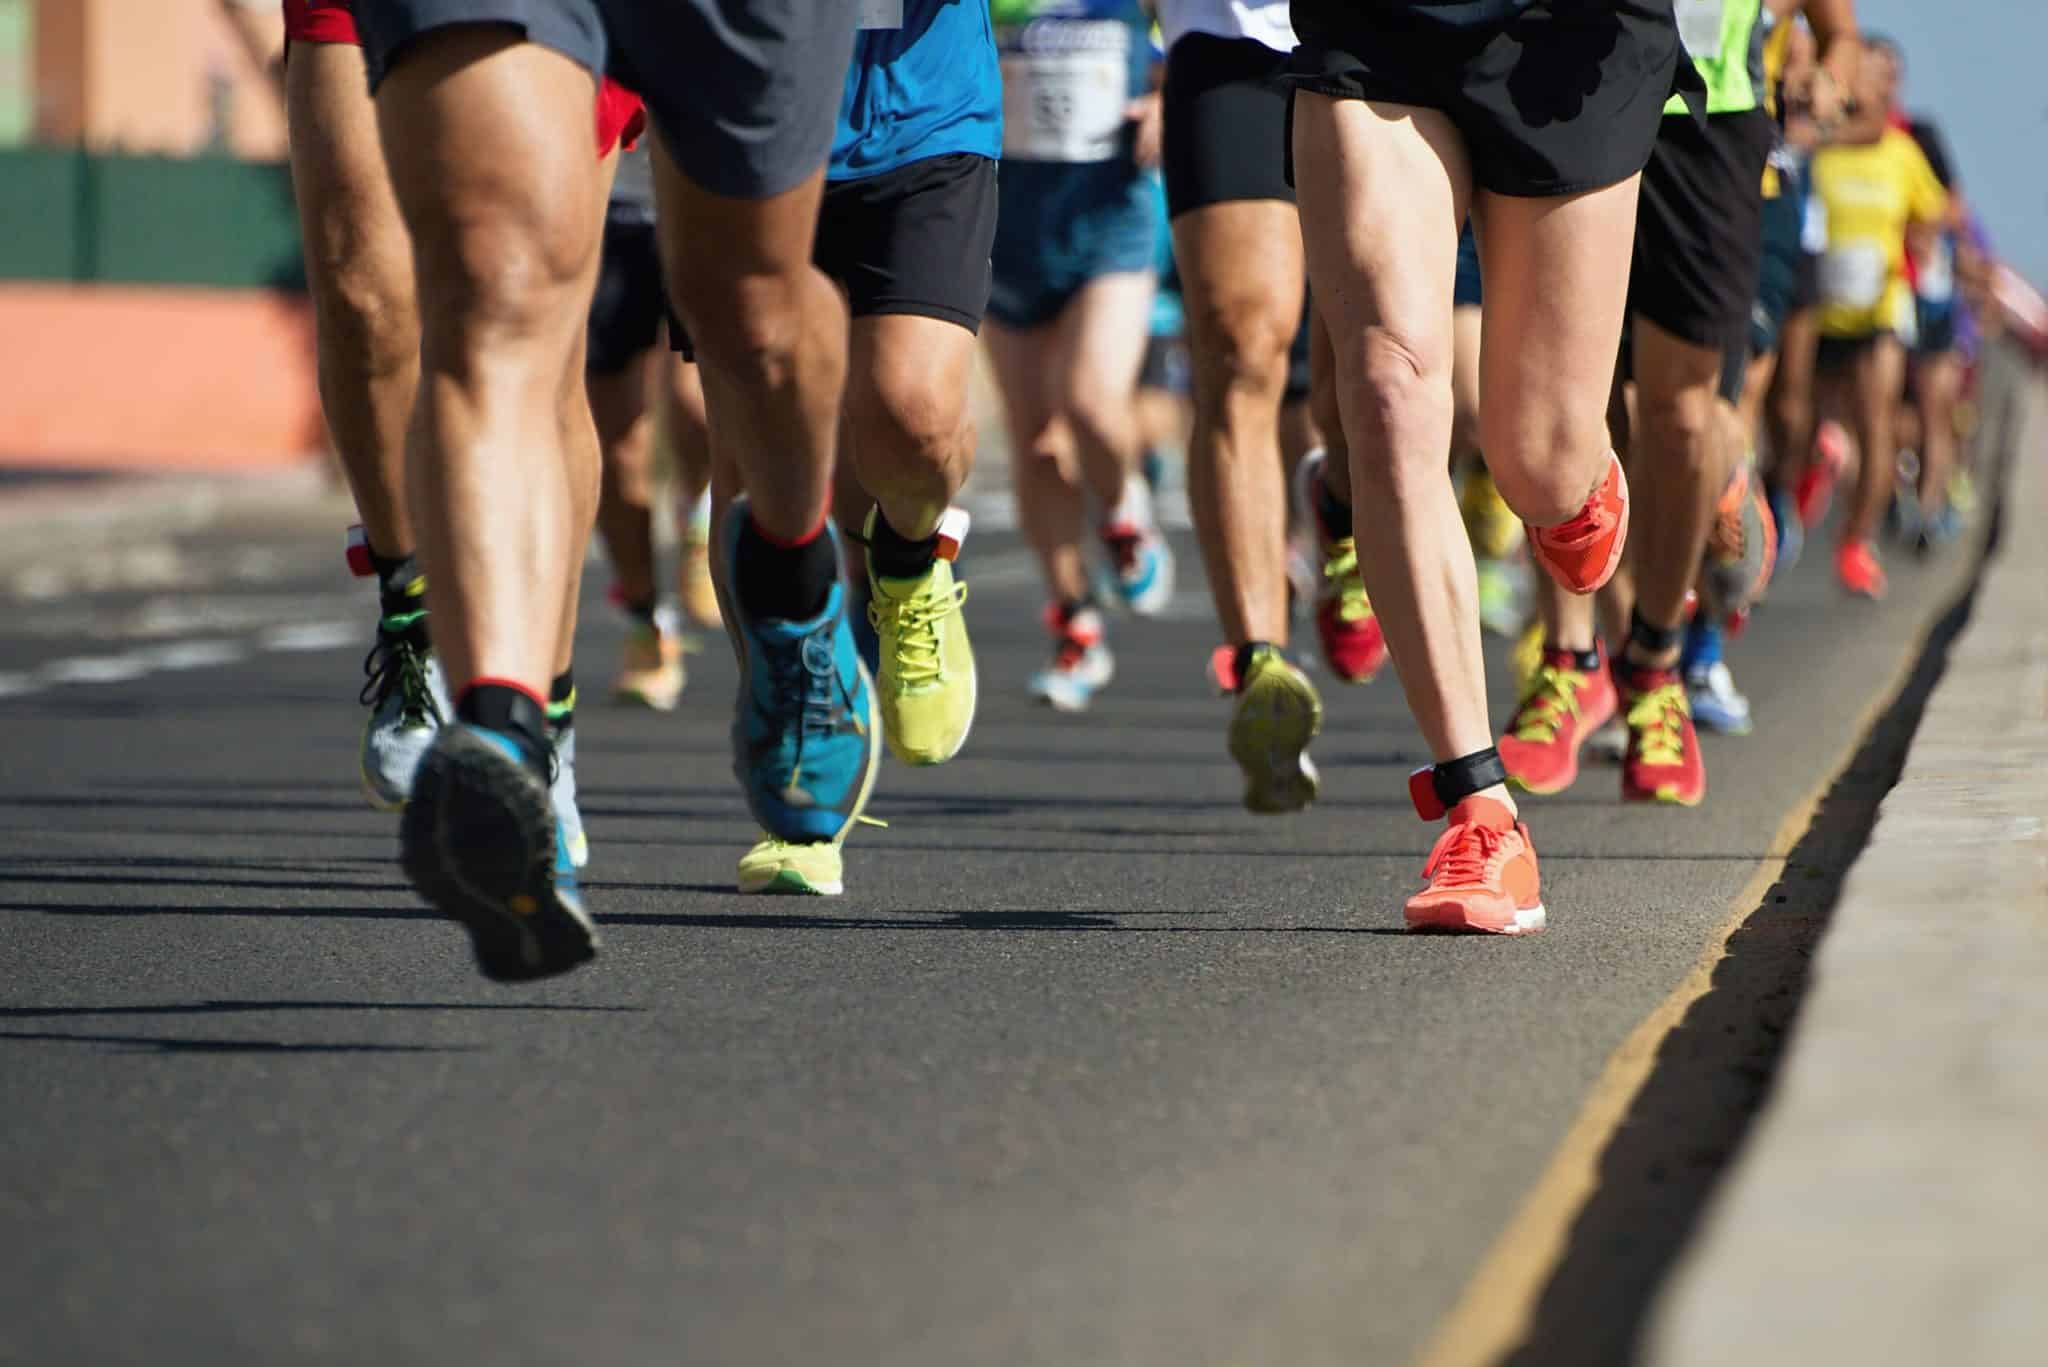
(1936, 329)
(1554, 98)
(1778, 275)
(620, 115)
(1226, 123)
(1839, 353)
(630, 302)
(914, 240)
(746, 93)
(1465, 290)
(1699, 227)
(1061, 225)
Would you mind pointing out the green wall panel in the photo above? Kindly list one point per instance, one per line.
(42, 196)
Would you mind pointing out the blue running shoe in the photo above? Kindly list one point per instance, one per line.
(806, 730)
(1143, 565)
(865, 639)
(1716, 703)
(479, 840)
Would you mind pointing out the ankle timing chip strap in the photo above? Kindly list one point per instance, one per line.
(1438, 788)
(1653, 640)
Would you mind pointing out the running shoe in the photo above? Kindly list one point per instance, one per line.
(793, 868)
(1143, 565)
(1716, 703)
(650, 667)
(695, 589)
(1278, 714)
(1741, 550)
(480, 842)
(1816, 486)
(1500, 598)
(1582, 553)
(1856, 565)
(408, 701)
(562, 791)
(1482, 875)
(1525, 657)
(1081, 663)
(1491, 526)
(1562, 705)
(1791, 533)
(806, 732)
(1353, 646)
(927, 681)
(1942, 528)
(1962, 493)
(1663, 763)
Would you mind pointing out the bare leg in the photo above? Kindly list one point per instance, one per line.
(625, 434)
(1789, 407)
(1876, 376)
(359, 265)
(1051, 507)
(1937, 386)
(1093, 367)
(1241, 275)
(1681, 452)
(912, 441)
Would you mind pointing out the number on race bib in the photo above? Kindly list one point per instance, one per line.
(1064, 106)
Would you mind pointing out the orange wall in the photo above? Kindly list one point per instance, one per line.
(135, 75)
(106, 377)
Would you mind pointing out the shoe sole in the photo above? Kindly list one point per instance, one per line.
(493, 872)
(1663, 797)
(790, 883)
(1272, 750)
(1456, 921)
(647, 698)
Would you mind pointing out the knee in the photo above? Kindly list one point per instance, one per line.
(1240, 354)
(1402, 394)
(1681, 430)
(365, 301)
(906, 427)
(746, 325)
(501, 272)
(1545, 464)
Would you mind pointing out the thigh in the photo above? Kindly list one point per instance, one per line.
(744, 94)
(1021, 359)
(1554, 305)
(1241, 269)
(915, 240)
(1101, 340)
(1386, 189)
(1878, 374)
(347, 209)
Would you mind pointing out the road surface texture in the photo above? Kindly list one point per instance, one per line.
(1088, 1066)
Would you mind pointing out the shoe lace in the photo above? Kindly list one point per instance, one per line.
(1464, 854)
(1553, 696)
(916, 622)
(805, 669)
(1657, 716)
(1345, 583)
(398, 663)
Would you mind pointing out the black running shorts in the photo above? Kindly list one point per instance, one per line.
(914, 240)
(1226, 123)
(745, 92)
(1699, 228)
(627, 309)
(1552, 98)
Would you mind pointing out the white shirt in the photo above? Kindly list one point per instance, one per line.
(1265, 21)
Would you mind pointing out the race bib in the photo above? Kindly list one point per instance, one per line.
(1855, 274)
(878, 14)
(1699, 25)
(1813, 229)
(1064, 92)
(1937, 276)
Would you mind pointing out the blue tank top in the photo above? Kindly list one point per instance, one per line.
(927, 87)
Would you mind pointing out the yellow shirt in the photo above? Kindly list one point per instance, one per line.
(1871, 191)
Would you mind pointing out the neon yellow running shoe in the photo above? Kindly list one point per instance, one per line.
(1494, 529)
(1527, 657)
(927, 685)
(1278, 714)
(787, 868)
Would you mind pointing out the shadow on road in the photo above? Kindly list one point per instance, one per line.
(1713, 1072)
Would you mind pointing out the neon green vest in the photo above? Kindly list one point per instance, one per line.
(1726, 43)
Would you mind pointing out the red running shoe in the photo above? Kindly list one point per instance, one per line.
(1857, 567)
(1581, 554)
(1663, 762)
(1347, 629)
(1562, 705)
(1482, 875)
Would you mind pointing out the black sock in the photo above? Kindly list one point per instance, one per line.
(511, 712)
(642, 610)
(1587, 661)
(562, 701)
(893, 556)
(1242, 660)
(1334, 512)
(401, 588)
(789, 583)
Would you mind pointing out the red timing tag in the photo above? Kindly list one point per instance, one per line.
(1422, 792)
(359, 553)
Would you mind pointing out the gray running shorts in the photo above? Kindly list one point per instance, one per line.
(745, 93)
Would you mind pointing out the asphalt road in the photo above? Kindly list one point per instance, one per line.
(1088, 1066)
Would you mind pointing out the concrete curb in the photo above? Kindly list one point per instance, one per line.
(1889, 1205)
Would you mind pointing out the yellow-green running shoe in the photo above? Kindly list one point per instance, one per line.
(1278, 714)
(787, 868)
(927, 685)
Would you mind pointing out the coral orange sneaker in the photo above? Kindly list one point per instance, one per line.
(1856, 566)
(1482, 875)
(1562, 705)
(1581, 554)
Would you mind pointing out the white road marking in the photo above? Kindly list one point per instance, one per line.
(309, 636)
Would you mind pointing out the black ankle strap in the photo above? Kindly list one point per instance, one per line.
(1438, 788)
